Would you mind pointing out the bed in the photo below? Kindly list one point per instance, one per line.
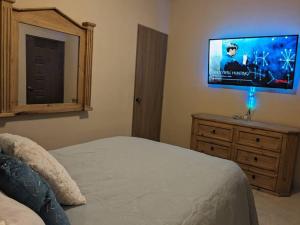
(133, 181)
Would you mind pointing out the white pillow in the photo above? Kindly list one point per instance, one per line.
(66, 190)
(14, 213)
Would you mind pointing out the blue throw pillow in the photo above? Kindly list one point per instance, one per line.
(20, 182)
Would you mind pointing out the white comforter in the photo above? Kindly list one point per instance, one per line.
(131, 181)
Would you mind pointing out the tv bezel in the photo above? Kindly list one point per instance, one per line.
(234, 86)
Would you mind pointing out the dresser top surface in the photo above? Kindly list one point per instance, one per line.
(247, 123)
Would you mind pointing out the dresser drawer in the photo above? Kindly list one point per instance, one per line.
(257, 160)
(266, 152)
(213, 149)
(214, 130)
(260, 139)
(261, 181)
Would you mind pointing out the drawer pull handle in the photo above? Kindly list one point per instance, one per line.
(253, 177)
(257, 139)
(214, 131)
(212, 148)
(255, 159)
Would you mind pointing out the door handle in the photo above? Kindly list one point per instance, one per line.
(29, 88)
(138, 100)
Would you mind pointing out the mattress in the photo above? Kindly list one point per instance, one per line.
(133, 181)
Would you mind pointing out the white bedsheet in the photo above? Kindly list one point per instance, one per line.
(132, 181)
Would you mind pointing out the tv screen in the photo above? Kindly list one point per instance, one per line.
(267, 62)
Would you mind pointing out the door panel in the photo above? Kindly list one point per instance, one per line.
(149, 83)
(44, 70)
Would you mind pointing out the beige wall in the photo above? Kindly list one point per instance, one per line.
(192, 23)
(114, 68)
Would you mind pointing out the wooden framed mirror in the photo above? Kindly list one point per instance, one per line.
(46, 61)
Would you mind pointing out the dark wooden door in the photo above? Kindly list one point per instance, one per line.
(44, 70)
(149, 83)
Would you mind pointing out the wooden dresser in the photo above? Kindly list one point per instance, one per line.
(266, 152)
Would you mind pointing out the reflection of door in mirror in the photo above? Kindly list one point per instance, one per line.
(45, 70)
(48, 66)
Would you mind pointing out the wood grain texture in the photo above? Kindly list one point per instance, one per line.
(5, 56)
(267, 155)
(47, 9)
(260, 139)
(194, 131)
(48, 18)
(48, 108)
(9, 1)
(257, 170)
(14, 63)
(53, 19)
(88, 64)
(287, 164)
(213, 149)
(244, 123)
(149, 83)
(81, 70)
(262, 181)
(257, 160)
(215, 130)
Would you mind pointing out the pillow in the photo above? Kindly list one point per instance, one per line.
(14, 213)
(66, 190)
(20, 182)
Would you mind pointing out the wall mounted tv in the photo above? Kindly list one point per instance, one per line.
(266, 62)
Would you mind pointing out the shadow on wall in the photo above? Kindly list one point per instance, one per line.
(31, 117)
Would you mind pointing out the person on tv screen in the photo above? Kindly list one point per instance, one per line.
(230, 62)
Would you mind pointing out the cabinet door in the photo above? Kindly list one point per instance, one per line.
(259, 139)
(215, 130)
(213, 149)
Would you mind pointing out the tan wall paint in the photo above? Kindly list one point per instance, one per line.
(113, 71)
(192, 23)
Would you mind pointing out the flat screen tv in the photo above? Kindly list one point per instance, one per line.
(267, 62)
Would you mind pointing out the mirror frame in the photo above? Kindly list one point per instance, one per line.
(52, 19)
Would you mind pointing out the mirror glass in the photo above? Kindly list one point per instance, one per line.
(48, 66)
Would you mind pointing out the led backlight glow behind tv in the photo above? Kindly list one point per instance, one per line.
(265, 62)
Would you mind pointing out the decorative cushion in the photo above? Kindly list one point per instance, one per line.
(14, 213)
(20, 182)
(66, 190)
